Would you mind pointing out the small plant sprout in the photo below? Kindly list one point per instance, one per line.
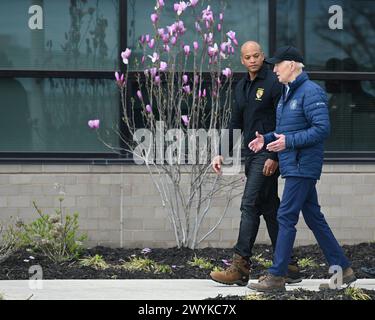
(307, 263)
(356, 293)
(201, 263)
(145, 265)
(262, 261)
(97, 262)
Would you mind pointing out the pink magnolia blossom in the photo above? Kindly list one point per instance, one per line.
(154, 18)
(187, 89)
(154, 57)
(139, 94)
(161, 32)
(196, 79)
(194, 2)
(219, 27)
(212, 51)
(119, 79)
(157, 80)
(94, 124)
(180, 7)
(125, 55)
(166, 48)
(160, 4)
(173, 41)
(221, 16)
(151, 44)
(185, 119)
(195, 45)
(165, 38)
(185, 79)
(202, 93)
(163, 66)
(147, 38)
(187, 50)
(148, 108)
(227, 72)
(232, 36)
(153, 72)
(208, 16)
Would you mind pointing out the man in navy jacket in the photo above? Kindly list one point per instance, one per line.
(302, 124)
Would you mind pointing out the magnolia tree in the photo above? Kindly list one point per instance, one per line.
(183, 98)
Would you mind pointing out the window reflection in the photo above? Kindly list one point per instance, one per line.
(76, 35)
(51, 115)
(304, 23)
(352, 114)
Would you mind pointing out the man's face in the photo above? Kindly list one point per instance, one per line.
(252, 58)
(284, 71)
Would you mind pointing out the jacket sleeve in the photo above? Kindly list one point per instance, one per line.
(316, 112)
(276, 95)
(236, 122)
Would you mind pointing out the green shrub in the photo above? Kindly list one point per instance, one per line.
(53, 236)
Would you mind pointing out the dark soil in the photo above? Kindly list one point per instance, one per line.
(361, 255)
(300, 294)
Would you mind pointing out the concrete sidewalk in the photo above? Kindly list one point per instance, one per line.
(188, 289)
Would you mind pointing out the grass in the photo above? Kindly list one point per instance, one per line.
(145, 265)
(356, 293)
(307, 263)
(97, 262)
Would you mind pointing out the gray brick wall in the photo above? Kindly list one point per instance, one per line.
(346, 192)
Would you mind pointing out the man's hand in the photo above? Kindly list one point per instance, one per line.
(270, 167)
(216, 164)
(257, 144)
(278, 145)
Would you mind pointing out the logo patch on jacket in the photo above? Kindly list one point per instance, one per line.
(259, 94)
(293, 104)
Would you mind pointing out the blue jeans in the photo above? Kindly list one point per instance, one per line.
(260, 198)
(300, 195)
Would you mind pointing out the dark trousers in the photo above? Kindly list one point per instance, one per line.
(260, 198)
(300, 195)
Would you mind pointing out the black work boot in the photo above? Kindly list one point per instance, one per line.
(293, 276)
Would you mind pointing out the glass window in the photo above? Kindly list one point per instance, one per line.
(352, 114)
(51, 115)
(75, 35)
(305, 24)
(249, 19)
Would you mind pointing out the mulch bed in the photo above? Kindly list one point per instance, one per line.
(361, 255)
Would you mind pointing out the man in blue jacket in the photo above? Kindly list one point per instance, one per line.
(302, 124)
